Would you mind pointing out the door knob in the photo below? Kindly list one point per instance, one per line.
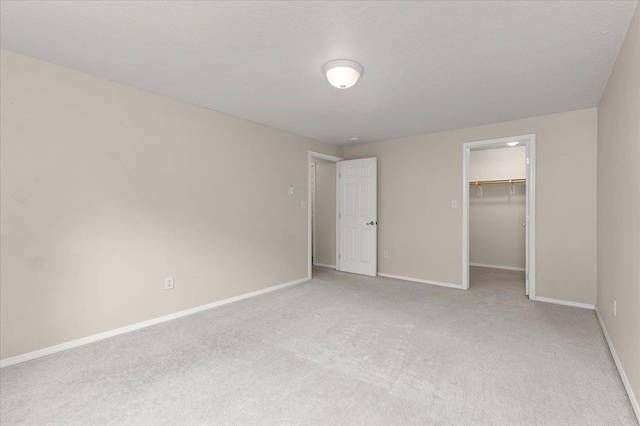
(371, 223)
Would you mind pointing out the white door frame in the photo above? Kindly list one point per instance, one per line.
(312, 155)
(312, 211)
(529, 141)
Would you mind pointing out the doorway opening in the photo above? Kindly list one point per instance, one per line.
(499, 207)
(322, 212)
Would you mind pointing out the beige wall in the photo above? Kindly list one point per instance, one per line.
(619, 205)
(496, 235)
(325, 212)
(419, 176)
(497, 164)
(107, 189)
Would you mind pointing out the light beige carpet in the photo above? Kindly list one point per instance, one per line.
(341, 349)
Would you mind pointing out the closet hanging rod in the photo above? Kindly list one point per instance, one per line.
(496, 182)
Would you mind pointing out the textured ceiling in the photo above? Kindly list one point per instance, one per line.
(429, 66)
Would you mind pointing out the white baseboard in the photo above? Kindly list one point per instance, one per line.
(508, 268)
(325, 265)
(101, 336)
(418, 280)
(623, 376)
(565, 302)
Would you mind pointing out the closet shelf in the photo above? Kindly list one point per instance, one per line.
(496, 182)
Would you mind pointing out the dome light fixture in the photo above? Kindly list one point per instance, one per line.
(343, 73)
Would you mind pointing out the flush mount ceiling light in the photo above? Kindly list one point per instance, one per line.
(343, 73)
(512, 143)
(354, 138)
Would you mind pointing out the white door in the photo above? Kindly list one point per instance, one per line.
(357, 217)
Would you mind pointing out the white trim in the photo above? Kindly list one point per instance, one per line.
(312, 208)
(313, 154)
(101, 336)
(530, 142)
(508, 268)
(565, 303)
(337, 216)
(418, 280)
(322, 156)
(623, 376)
(531, 220)
(324, 265)
(466, 170)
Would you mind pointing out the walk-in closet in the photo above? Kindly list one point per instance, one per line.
(497, 211)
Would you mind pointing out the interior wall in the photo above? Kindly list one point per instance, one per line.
(325, 212)
(496, 236)
(418, 177)
(619, 206)
(107, 189)
(498, 163)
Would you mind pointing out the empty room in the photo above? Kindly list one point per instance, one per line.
(320, 212)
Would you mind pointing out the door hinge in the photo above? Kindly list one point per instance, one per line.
(527, 276)
(339, 256)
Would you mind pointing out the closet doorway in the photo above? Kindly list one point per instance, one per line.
(323, 199)
(499, 207)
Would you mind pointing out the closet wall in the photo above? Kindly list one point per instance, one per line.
(496, 234)
(325, 213)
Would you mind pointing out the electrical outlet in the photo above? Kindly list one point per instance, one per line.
(454, 204)
(614, 309)
(290, 190)
(385, 254)
(303, 205)
(168, 283)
